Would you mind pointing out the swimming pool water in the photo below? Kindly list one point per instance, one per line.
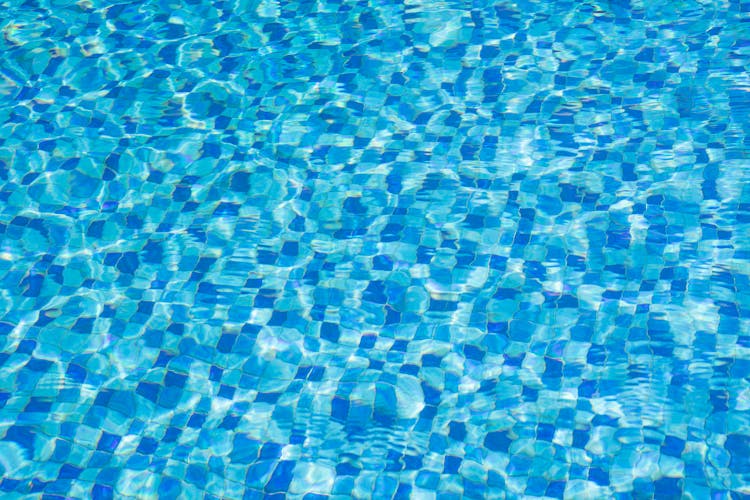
(332, 249)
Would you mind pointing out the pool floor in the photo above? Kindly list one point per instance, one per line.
(358, 249)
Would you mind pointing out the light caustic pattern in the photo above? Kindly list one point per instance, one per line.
(430, 249)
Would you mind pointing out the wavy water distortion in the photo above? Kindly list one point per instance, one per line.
(394, 249)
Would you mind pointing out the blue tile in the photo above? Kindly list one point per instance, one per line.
(281, 477)
(497, 441)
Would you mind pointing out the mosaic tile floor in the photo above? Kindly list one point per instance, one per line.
(394, 249)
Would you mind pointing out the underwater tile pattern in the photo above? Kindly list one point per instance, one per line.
(333, 249)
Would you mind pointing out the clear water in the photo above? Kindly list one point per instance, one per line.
(429, 249)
